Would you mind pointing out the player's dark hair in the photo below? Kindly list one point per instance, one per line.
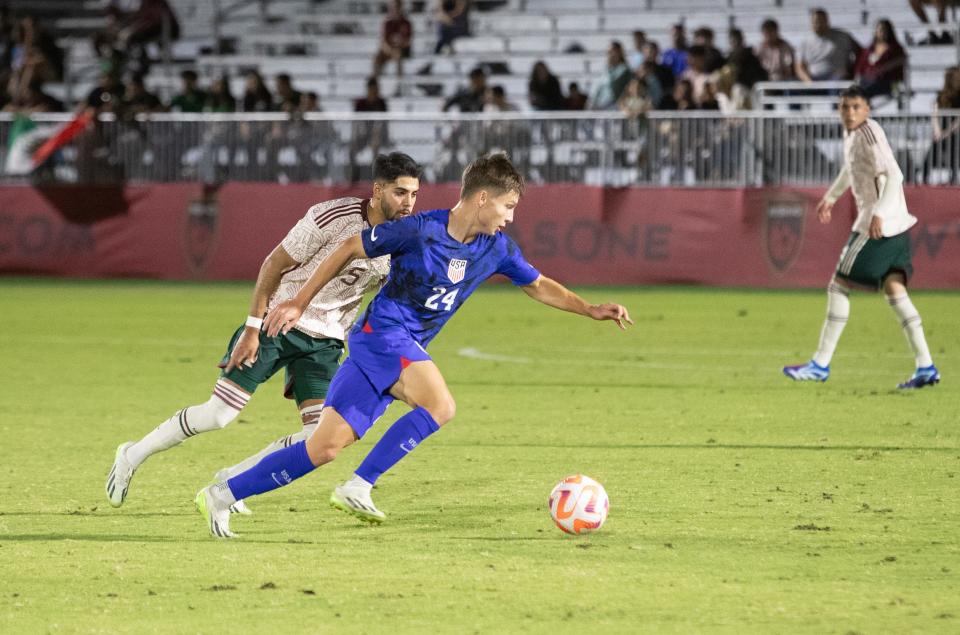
(388, 168)
(854, 91)
(494, 173)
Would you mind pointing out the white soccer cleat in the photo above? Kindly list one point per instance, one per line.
(216, 515)
(118, 480)
(356, 501)
(239, 507)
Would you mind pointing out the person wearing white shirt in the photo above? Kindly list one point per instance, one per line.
(877, 254)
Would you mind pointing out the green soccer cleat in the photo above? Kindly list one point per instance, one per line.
(216, 515)
(356, 501)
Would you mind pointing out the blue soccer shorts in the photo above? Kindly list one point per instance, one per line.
(360, 391)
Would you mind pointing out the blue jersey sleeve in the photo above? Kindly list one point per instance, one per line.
(515, 266)
(390, 238)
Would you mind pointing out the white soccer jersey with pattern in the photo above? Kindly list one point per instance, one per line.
(868, 164)
(315, 236)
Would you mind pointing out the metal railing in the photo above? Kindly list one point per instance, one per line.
(660, 149)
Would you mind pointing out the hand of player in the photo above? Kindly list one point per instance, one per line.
(282, 318)
(824, 207)
(609, 311)
(244, 352)
(876, 227)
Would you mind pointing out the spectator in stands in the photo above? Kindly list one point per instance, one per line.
(576, 98)
(636, 55)
(544, 91)
(634, 103)
(287, 97)
(33, 56)
(880, 66)
(34, 99)
(107, 95)
(610, 85)
(137, 99)
(372, 134)
(828, 54)
(496, 100)
(944, 153)
(775, 54)
(395, 40)
(191, 97)
(681, 98)
(220, 98)
(651, 53)
(713, 60)
(310, 102)
(650, 84)
(6, 50)
(131, 31)
(945, 36)
(675, 57)
(453, 21)
(696, 72)
(256, 95)
(469, 98)
(744, 66)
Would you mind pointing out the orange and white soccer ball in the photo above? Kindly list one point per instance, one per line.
(579, 504)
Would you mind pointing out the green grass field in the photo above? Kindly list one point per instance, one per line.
(740, 502)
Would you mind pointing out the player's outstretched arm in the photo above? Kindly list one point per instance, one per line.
(284, 316)
(279, 262)
(552, 293)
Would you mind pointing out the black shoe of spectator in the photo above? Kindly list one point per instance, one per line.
(946, 37)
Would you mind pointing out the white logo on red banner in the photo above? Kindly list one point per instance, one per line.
(456, 270)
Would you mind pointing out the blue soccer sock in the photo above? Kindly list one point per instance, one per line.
(406, 433)
(273, 471)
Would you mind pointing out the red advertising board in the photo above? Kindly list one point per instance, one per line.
(577, 234)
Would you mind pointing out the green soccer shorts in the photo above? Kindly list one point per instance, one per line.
(310, 363)
(865, 261)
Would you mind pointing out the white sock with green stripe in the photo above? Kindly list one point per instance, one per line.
(912, 327)
(838, 311)
(223, 407)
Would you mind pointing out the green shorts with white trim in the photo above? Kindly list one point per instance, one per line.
(310, 364)
(866, 261)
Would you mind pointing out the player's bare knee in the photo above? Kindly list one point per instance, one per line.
(323, 454)
(442, 410)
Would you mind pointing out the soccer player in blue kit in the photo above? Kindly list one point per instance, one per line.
(438, 259)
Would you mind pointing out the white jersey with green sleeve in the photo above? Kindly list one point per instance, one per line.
(315, 236)
(871, 171)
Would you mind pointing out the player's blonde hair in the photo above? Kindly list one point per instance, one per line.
(493, 173)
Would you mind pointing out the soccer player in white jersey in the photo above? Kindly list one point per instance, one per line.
(877, 255)
(311, 351)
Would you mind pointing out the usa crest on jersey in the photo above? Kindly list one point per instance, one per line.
(456, 270)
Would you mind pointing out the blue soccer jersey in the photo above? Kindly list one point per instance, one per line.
(432, 273)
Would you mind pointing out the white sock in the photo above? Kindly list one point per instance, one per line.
(838, 310)
(310, 417)
(223, 407)
(221, 492)
(356, 481)
(912, 327)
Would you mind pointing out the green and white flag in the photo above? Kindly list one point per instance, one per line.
(25, 137)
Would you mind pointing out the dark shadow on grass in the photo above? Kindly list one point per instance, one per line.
(106, 537)
(103, 514)
(709, 446)
(543, 538)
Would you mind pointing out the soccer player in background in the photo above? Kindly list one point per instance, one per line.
(438, 259)
(310, 347)
(877, 254)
